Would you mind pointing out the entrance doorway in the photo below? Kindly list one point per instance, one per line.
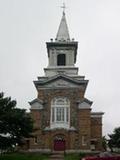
(59, 145)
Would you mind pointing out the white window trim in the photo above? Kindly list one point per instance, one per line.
(84, 142)
(60, 124)
(35, 140)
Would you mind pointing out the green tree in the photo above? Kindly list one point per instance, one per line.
(114, 139)
(15, 123)
(104, 143)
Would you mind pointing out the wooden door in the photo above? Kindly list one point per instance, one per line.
(59, 145)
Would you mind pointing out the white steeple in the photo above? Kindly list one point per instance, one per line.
(62, 52)
(63, 33)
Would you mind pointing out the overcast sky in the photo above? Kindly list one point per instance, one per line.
(25, 27)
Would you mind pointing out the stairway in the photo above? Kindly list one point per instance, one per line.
(57, 155)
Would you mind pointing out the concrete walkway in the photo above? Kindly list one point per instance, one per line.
(57, 155)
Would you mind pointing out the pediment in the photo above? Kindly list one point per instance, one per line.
(36, 104)
(85, 104)
(60, 81)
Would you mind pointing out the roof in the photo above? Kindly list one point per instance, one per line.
(36, 100)
(60, 76)
(63, 33)
(85, 100)
(97, 114)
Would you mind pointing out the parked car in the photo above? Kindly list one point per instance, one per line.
(103, 156)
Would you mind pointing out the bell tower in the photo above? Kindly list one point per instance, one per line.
(62, 52)
(62, 115)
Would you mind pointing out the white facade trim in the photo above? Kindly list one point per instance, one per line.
(40, 150)
(62, 119)
(36, 106)
(97, 114)
(84, 105)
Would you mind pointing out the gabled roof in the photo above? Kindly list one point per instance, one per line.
(36, 104)
(36, 100)
(63, 33)
(86, 100)
(84, 104)
(60, 76)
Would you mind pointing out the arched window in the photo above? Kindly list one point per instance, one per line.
(60, 113)
(61, 59)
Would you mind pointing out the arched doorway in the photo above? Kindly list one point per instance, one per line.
(59, 143)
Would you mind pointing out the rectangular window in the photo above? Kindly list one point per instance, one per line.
(84, 140)
(53, 115)
(35, 140)
(61, 58)
(60, 114)
(67, 114)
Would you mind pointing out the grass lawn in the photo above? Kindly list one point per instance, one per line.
(74, 156)
(24, 156)
(38, 156)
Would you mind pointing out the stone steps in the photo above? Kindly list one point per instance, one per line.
(57, 155)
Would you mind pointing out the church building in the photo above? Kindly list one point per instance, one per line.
(62, 115)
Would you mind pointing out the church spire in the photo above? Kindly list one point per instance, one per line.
(63, 33)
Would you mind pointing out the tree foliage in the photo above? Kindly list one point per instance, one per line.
(104, 143)
(15, 123)
(114, 139)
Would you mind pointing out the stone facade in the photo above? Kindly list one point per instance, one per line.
(62, 116)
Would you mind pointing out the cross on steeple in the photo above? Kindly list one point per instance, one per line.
(63, 33)
(63, 7)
